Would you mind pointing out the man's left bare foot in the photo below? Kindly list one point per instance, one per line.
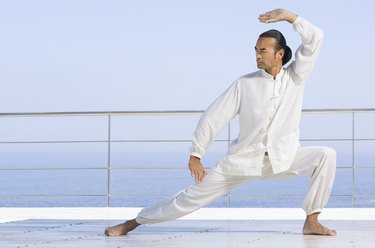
(121, 229)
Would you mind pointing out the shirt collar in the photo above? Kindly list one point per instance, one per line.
(269, 76)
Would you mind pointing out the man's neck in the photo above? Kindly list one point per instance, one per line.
(274, 71)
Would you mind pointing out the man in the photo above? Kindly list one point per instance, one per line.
(269, 103)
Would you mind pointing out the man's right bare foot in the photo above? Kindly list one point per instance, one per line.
(313, 227)
(121, 229)
(318, 229)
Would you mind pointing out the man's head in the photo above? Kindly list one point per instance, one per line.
(271, 50)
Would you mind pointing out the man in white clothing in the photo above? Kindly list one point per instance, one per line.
(268, 103)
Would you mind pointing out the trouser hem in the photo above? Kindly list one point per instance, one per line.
(317, 210)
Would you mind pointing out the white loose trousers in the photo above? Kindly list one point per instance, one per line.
(317, 162)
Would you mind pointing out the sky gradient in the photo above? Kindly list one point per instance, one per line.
(90, 55)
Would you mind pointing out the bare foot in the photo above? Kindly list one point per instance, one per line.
(313, 227)
(121, 229)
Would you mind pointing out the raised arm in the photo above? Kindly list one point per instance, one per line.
(311, 36)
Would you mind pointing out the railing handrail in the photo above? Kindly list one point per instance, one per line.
(164, 112)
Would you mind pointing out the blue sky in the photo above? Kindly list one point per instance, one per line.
(90, 55)
(120, 55)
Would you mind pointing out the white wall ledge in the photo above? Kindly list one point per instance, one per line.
(113, 213)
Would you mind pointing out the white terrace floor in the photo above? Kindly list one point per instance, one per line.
(206, 228)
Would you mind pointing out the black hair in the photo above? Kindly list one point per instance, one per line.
(280, 43)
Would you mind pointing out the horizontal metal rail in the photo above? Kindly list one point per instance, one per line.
(168, 112)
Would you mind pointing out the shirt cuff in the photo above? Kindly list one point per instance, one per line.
(297, 20)
(196, 155)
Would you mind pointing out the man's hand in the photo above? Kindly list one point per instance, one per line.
(196, 168)
(277, 15)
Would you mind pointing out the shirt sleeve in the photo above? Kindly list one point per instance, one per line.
(308, 51)
(215, 118)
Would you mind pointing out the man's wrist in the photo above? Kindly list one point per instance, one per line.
(194, 157)
(290, 17)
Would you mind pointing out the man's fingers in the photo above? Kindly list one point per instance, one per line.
(264, 18)
(199, 176)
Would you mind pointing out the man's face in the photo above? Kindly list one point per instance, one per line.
(266, 56)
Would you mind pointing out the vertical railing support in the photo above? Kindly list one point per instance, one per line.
(109, 162)
(228, 140)
(353, 160)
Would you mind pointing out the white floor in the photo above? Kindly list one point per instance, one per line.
(230, 228)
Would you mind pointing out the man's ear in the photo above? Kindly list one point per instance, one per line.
(280, 53)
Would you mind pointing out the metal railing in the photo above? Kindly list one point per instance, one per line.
(109, 141)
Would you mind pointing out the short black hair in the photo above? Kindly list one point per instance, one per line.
(280, 43)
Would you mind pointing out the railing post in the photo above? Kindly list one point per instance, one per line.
(353, 160)
(109, 161)
(228, 140)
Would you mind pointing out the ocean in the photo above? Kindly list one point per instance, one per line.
(66, 161)
(139, 186)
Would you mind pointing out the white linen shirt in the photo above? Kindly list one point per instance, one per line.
(269, 112)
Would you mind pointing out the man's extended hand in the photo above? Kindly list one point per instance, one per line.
(196, 168)
(277, 15)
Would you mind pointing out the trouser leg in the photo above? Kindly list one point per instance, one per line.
(320, 164)
(322, 177)
(317, 162)
(192, 198)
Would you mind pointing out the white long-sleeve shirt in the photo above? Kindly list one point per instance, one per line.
(269, 112)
